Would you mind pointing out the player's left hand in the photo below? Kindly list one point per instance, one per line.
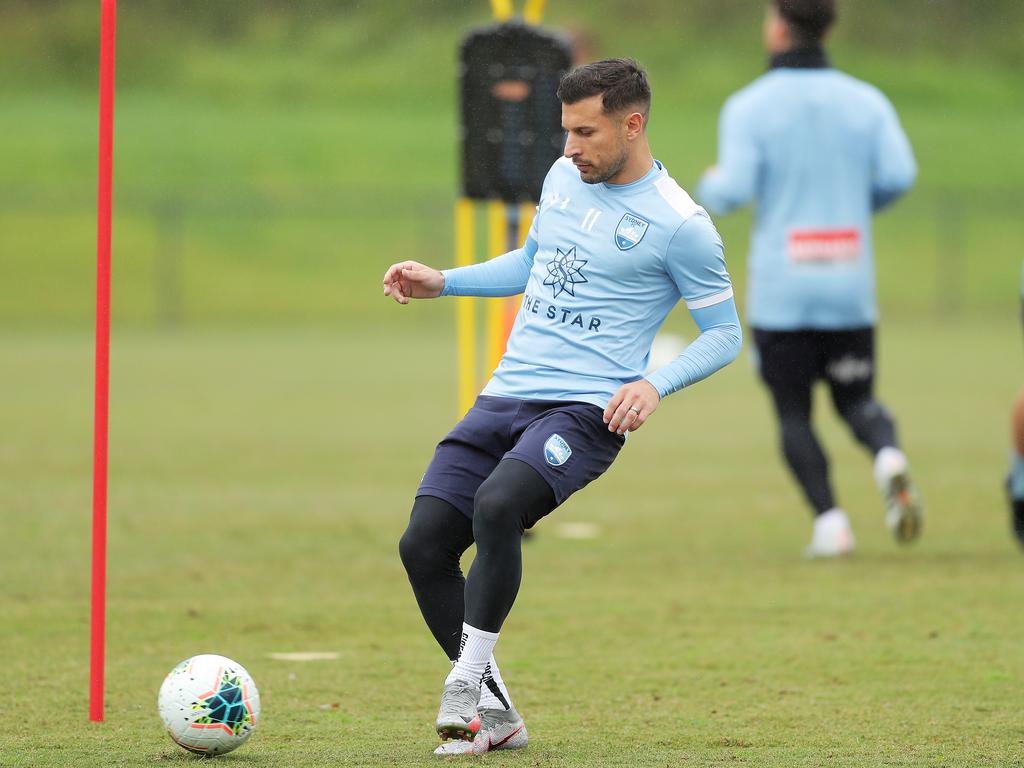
(632, 405)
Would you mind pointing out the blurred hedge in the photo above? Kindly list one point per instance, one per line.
(55, 40)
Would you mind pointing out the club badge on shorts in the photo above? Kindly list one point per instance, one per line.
(630, 232)
(556, 450)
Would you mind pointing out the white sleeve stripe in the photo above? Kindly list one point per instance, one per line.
(707, 301)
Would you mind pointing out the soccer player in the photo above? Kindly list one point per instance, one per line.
(1015, 481)
(615, 245)
(816, 152)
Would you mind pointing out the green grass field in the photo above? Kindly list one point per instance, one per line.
(272, 414)
(259, 483)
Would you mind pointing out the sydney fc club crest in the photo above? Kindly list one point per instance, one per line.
(565, 272)
(556, 451)
(630, 232)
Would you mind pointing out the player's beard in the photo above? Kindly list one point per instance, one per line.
(610, 171)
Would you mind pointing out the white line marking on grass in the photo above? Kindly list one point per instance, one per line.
(579, 531)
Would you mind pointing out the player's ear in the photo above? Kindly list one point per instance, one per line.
(634, 124)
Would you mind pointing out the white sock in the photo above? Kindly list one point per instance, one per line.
(474, 654)
(832, 517)
(889, 462)
(492, 688)
(489, 698)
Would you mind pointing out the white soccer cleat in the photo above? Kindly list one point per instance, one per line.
(903, 512)
(457, 717)
(832, 536)
(499, 729)
(904, 515)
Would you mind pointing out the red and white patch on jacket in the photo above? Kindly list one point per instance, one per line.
(823, 246)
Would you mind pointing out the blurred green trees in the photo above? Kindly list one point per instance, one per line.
(41, 40)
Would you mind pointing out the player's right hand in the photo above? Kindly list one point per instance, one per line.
(412, 280)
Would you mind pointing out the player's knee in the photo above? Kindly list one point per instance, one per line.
(410, 552)
(495, 512)
(419, 554)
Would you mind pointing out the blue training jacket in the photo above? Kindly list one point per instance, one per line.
(817, 152)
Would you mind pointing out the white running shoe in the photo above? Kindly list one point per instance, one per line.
(832, 536)
(499, 729)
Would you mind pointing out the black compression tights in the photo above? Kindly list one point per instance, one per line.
(511, 500)
(867, 418)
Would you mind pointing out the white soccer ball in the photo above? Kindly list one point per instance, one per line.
(209, 704)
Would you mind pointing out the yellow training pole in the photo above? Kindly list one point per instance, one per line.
(534, 11)
(526, 212)
(512, 303)
(502, 9)
(497, 244)
(465, 309)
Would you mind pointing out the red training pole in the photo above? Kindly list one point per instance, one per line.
(108, 22)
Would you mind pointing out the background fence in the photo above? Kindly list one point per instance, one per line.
(235, 255)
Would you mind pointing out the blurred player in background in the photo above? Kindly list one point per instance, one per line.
(615, 245)
(816, 152)
(1015, 482)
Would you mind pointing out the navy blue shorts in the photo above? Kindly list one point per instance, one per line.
(568, 443)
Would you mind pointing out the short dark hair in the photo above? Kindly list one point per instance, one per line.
(808, 20)
(622, 83)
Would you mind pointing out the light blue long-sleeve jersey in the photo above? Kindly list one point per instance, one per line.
(817, 152)
(601, 269)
